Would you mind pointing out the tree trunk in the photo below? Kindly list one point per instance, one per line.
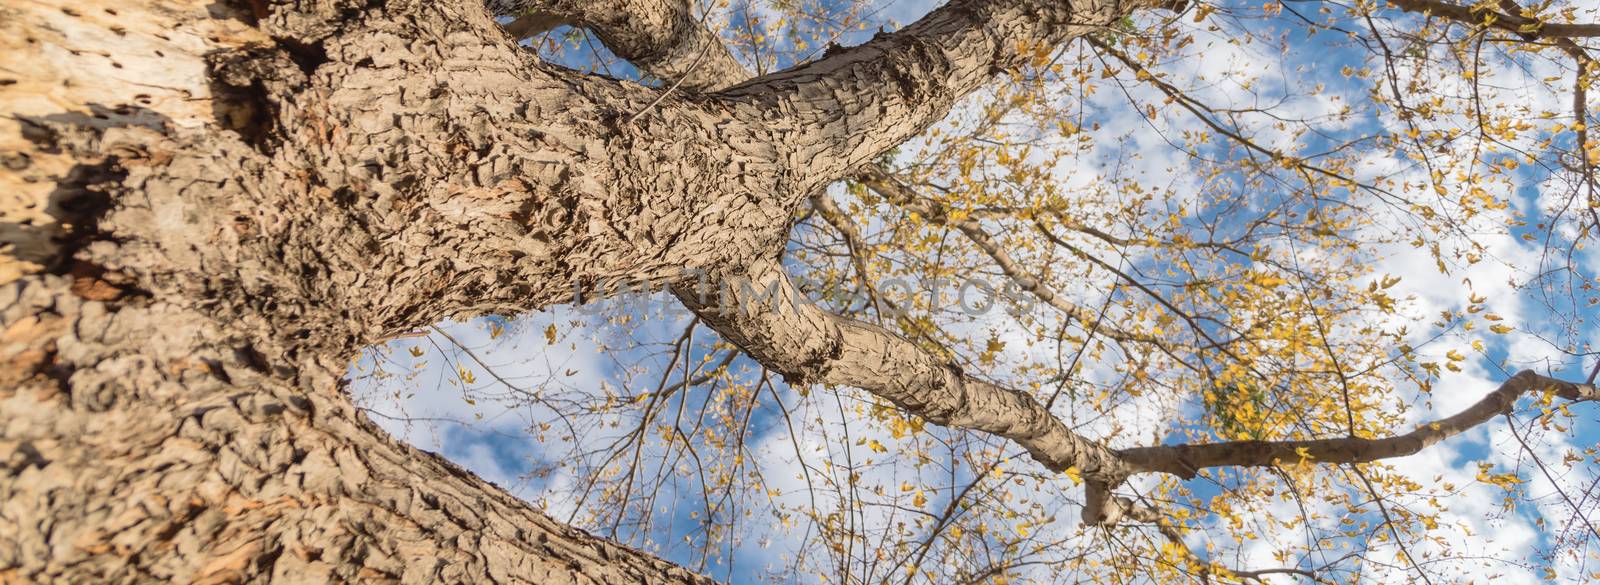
(147, 441)
(209, 207)
(207, 211)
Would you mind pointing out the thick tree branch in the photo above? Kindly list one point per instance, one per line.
(662, 37)
(853, 105)
(761, 311)
(532, 22)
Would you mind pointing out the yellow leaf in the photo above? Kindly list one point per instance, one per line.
(550, 334)
(1504, 480)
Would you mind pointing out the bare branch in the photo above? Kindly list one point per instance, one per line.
(1185, 460)
(897, 192)
(1511, 19)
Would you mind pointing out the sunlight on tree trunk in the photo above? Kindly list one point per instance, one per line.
(211, 210)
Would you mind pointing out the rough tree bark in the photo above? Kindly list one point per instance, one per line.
(209, 207)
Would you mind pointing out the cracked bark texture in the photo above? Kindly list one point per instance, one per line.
(207, 211)
(663, 37)
(207, 208)
(210, 207)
